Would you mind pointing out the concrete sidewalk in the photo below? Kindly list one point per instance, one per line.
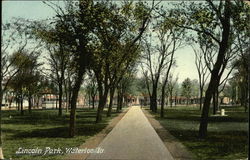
(133, 138)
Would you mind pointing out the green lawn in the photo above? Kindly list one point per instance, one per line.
(43, 128)
(227, 136)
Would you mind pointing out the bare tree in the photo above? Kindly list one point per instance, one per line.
(170, 87)
(58, 60)
(158, 60)
(202, 71)
(173, 39)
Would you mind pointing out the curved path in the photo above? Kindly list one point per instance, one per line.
(133, 138)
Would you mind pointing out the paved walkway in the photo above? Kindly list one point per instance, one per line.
(133, 138)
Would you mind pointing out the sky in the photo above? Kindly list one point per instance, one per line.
(38, 10)
(25, 9)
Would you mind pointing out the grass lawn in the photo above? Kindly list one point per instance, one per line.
(43, 128)
(227, 136)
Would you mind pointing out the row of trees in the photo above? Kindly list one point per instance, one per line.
(219, 34)
(101, 39)
(105, 41)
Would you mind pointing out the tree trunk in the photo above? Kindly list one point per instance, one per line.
(162, 101)
(112, 91)
(67, 94)
(60, 98)
(1, 98)
(17, 106)
(73, 101)
(30, 104)
(201, 90)
(36, 101)
(215, 79)
(214, 104)
(101, 105)
(93, 102)
(206, 105)
(123, 100)
(171, 100)
(217, 100)
(89, 100)
(19, 103)
(10, 102)
(67, 98)
(119, 100)
(56, 102)
(247, 95)
(154, 99)
(248, 87)
(22, 112)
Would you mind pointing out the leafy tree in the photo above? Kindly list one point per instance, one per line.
(217, 23)
(176, 91)
(241, 79)
(12, 37)
(91, 89)
(72, 30)
(116, 48)
(186, 89)
(141, 86)
(195, 88)
(171, 87)
(25, 81)
(59, 61)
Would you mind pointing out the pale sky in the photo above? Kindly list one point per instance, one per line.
(25, 9)
(38, 10)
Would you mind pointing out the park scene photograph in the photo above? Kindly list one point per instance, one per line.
(124, 80)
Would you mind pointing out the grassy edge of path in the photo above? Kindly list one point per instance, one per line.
(227, 136)
(43, 128)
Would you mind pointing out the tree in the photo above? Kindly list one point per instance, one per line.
(195, 89)
(240, 79)
(32, 87)
(67, 85)
(202, 71)
(60, 55)
(76, 23)
(12, 36)
(127, 86)
(216, 22)
(171, 87)
(116, 48)
(155, 68)
(1, 92)
(25, 81)
(58, 60)
(171, 39)
(187, 89)
(91, 89)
